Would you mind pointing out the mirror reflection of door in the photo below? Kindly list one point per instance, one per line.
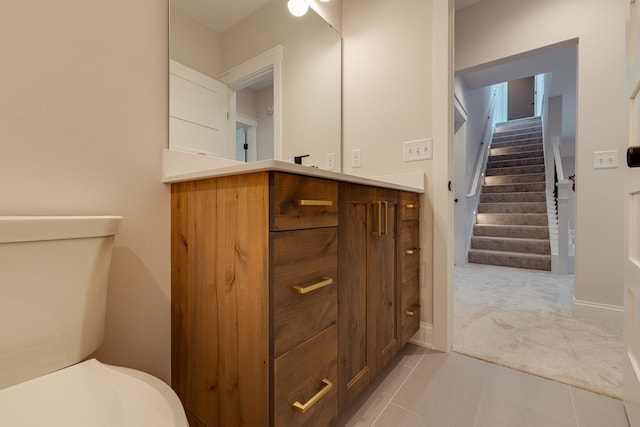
(521, 98)
(246, 138)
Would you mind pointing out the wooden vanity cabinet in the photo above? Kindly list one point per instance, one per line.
(289, 294)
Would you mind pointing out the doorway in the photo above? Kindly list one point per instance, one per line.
(521, 98)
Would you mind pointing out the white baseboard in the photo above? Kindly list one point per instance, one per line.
(611, 314)
(423, 336)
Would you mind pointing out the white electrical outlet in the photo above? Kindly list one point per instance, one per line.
(356, 158)
(417, 150)
(605, 159)
(331, 161)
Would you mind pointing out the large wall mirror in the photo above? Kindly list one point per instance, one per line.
(277, 76)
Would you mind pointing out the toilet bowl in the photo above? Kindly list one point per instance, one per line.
(53, 288)
(91, 394)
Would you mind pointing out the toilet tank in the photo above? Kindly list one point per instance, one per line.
(53, 291)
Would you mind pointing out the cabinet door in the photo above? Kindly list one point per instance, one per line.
(355, 348)
(383, 284)
(368, 313)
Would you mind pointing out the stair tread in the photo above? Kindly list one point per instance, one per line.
(520, 254)
(514, 239)
(515, 203)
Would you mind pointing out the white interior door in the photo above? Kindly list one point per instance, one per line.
(198, 112)
(632, 224)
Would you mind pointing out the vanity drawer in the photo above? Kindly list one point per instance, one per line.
(305, 379)
(304, 269)
(410, 206)
(410, 308)
(299, 202)
(409, 247)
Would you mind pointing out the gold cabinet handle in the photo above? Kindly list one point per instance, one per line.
(300, 289)
(411, 311)
(412, 206)
(386, 217)
(304, 407)
(412, 251)
(313, 202)
(382, 224)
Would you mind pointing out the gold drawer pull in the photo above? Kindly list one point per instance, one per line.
(412, 251)
(304, 407)
(313, 203)
(299, 289)
(411, 311)
(412, 206)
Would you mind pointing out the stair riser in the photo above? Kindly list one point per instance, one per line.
(515, 149)
(518, 245)
(511, 260)
(513, 179)
(512, 219)
(514, 156)
(528, 197)
(532, 161)
(512, 124)
(531, 232)
(515, 170)
(514, 188)
(516, 142)
(518, 207)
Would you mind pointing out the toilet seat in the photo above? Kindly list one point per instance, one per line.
(91, 394)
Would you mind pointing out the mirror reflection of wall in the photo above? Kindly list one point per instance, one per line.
(310, 87)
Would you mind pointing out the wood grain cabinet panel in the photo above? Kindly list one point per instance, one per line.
(302, 202)
(304, 284)
(409, 206)
(307, 375)
(410, 313)
(409, 247)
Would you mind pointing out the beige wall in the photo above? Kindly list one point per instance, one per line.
(194, 45)
(83, 119)
(497, 29)
(388, 99)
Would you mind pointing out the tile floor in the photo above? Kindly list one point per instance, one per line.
(429, 388)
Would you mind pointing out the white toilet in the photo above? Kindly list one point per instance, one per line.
(53, 290)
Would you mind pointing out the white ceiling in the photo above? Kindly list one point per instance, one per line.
(219, 15)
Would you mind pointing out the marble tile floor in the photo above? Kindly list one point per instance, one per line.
(421, 387)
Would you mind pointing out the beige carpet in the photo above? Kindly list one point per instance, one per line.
(522, 319)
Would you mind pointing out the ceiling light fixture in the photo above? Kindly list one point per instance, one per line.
(298, 7)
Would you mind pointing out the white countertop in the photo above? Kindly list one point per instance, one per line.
(174, 170)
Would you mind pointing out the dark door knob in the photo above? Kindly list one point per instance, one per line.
(633, 156)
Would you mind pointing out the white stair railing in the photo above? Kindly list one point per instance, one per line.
(562, 261)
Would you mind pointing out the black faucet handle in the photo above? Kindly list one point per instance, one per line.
(298, 159)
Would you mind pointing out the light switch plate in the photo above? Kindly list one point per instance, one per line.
(417, 150)
(356, 158)
(605, 159)
(331, 161)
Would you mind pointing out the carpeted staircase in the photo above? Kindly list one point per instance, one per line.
(511, 225)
